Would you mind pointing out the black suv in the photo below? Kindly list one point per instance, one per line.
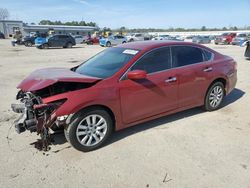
(65, 41)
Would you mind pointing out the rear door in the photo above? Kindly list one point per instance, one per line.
(194, 73)
(115, 40)
(155, 94)
(120, 39)
(53, 41)
(64, 39)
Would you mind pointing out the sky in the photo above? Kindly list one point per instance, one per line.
(135, 13)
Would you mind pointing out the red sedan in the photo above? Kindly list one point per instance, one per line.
(121, 87)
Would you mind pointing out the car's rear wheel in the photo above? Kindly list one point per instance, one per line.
(123, 42)
(89, 129)
(28, 43)
(45, 46)
(108, 44)
(214, 97)
(69, 45)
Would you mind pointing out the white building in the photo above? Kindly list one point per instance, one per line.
(8, 27)
(59, 29)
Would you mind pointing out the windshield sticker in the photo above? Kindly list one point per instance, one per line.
(131, 52)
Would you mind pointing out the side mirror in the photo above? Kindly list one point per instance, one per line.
(137, 75)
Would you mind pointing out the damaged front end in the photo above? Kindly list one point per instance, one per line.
(36, 116)
(42, 94)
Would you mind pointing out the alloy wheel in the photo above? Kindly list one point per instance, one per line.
(91, 130)
(216, 96)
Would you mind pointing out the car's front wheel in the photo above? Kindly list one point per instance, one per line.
(214, 97)
(89, 129)
(108, 44)
(45, 46)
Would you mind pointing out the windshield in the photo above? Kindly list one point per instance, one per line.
(107, 62)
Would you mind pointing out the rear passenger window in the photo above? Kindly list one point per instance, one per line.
(186, 55)
(63, 36)
(157, 60)
(208, 55)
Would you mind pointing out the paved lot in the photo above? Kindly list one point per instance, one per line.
(188, 149)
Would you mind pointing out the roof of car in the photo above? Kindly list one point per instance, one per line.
(150, 44)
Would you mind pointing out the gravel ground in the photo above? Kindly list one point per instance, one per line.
(189, 149)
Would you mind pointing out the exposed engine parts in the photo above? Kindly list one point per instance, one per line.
(28, 118)
(35, 116)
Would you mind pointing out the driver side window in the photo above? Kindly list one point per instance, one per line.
(155, 61)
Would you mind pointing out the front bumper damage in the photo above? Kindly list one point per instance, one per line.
(36, 116)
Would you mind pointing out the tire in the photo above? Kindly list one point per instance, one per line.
(28, 44)
(123, 42)
(131, 40)
(214, 96)
(45, 46)
(69, 45)
(92, 135)
(108, 44)
(216, 43)
(66, 134)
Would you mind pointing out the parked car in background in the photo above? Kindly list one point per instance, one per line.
(247, 52)
(173, 38)
(241, 38)
(180, 38)
(30, 39)
(65, 41)
(225, 38)
(135, 37)
(121, 87)
(78, 38)
(92, 40)
(190, 36)
(161, 37)
(112, 40)
(212, 37)
(201, 39)
(2, 35)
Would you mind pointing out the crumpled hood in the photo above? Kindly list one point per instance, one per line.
(42, 78)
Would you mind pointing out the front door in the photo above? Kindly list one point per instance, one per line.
(155, 94)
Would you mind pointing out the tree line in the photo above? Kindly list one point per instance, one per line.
(72, 23)
(179, 29)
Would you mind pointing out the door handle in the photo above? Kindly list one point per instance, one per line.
(171, 79)
(208, 69)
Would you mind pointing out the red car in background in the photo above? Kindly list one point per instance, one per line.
(225, 38)
(121, 87)
(92, 40)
